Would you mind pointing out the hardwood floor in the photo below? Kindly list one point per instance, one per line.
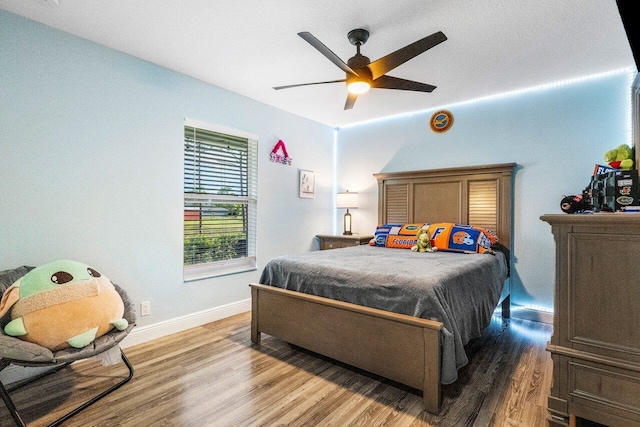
(214, 376)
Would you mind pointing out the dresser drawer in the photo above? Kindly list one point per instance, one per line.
(607, 389)
(335, 244)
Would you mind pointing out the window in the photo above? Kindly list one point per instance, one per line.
(220, 186)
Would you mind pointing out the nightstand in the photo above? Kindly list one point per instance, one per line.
(342, 241)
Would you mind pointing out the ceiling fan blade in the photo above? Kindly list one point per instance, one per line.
(309, 84)
(387, 63)
(388, 82)
(326, 52)
(351, 100)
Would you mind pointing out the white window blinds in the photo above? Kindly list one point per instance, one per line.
(220, 186)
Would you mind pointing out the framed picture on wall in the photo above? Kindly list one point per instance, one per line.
(307, 183)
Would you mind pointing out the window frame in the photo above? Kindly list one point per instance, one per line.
(193, 272)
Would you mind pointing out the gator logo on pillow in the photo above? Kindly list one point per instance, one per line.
(462, 238)
(410, 229)
(380, 240)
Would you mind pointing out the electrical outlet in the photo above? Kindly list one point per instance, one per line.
(145, 308)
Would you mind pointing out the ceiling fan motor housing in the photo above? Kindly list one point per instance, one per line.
(364, 74)
(358, 61)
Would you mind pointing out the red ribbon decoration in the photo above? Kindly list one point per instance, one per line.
(280, 144)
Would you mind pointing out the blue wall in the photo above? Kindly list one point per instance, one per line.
(91, 158)
(91, 164)
(556, 135)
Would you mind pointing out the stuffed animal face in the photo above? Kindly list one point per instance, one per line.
(55, 274)
(423, 236)
(62, 304)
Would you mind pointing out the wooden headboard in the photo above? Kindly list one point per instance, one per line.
(475, 195)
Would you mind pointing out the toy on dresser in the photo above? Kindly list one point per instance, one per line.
(613, 187)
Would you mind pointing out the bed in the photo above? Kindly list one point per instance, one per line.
(417, 345)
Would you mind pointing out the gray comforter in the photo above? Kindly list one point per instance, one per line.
(459, 290)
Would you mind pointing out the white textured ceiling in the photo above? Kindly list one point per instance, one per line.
(249, 46)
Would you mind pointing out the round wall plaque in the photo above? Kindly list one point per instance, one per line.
(441, 121)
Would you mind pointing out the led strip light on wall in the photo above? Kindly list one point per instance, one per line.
(630, 76)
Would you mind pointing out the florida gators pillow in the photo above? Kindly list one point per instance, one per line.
(461, 238)
(446, 236)
(400, 236)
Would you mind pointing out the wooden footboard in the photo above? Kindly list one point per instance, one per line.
(402, 348)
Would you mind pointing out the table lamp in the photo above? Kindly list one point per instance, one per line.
(347, 201)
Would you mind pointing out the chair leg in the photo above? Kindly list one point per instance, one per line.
(14, 412)
(98, 397)
(4, 393)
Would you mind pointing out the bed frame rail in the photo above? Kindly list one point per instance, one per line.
(402, 348)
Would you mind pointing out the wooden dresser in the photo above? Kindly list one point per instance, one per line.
(595, 345)
(342, 241)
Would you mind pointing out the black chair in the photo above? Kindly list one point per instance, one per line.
(18, 352)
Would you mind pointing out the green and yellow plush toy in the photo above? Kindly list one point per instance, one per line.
(620, 157)
(62, 304)
(424, 242)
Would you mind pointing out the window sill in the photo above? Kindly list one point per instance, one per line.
(192, 273)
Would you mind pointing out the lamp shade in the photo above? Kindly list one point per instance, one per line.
(347, 200)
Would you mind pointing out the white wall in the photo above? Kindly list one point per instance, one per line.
(555, 135)
(91, 152)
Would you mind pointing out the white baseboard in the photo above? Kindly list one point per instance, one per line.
(526, 313)
(143, 334)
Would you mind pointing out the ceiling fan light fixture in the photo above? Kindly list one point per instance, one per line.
(361, 82)
(358, 87)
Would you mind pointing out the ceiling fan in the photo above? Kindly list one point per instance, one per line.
(362, 74)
